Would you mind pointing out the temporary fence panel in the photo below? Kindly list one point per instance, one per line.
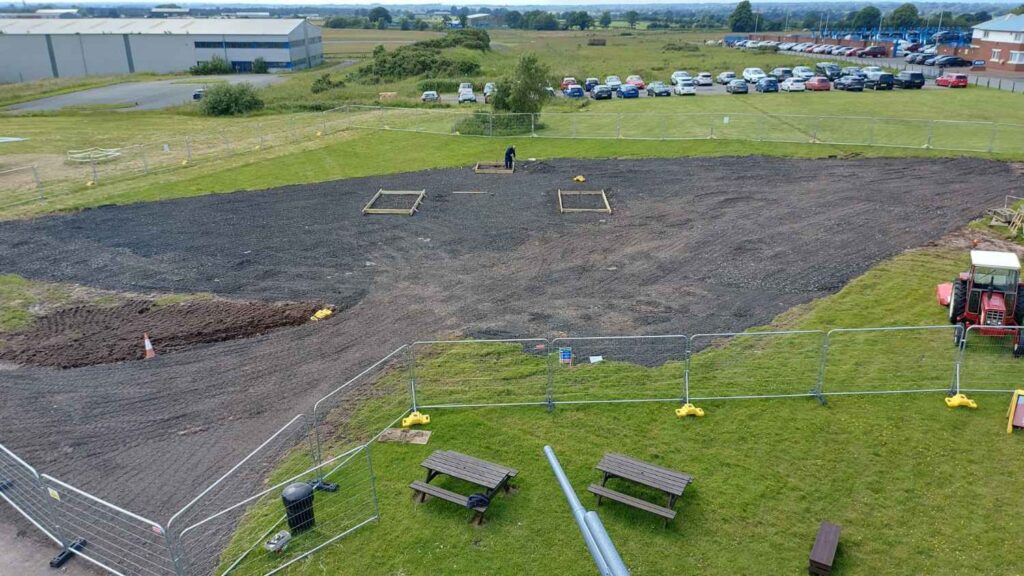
(988, 362)
(22, 488)
(20, 185)
(617, 369)
(479, 372)
(287, 451)
(753, 364)
(115, 539)
(348, 503)
(883, 360)
(358, 410)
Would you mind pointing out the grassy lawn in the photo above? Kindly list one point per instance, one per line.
(766, 471)
(18, 295)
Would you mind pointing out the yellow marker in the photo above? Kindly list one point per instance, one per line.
(958, 400)
(415, 418)
(689, 410)
(321, 314)
(1015, 415)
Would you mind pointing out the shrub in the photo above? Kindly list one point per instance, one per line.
(487, 124)
(324, 83)
(259, 66)
(526, 89)
(675, 47)
(414, 60)
(217, 65)
(444, 85)
(231, 100)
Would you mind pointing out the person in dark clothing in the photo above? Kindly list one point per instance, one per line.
(510, 157)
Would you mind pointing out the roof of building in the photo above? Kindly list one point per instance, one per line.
(1001, 260)
(270, 26)
(1008, 23)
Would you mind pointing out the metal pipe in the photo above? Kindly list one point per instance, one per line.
(605, 544)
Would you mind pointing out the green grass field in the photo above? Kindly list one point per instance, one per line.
(913, 483)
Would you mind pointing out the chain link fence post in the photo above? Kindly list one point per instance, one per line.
(533, 125)
(822, 363)
(551, 375)
(687, 354)
(992, 137)
(618, 125)
(931, 130)
(188, 149)
(95, 177)
(38, 181)
(871, 132)
(411, 359)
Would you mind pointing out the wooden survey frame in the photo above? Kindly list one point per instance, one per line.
(604, 197)
(368, 209)
(493, 168)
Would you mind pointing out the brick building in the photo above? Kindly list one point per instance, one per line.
(1000, 43)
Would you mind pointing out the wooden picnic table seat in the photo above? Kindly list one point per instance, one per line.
(492, 477)
(823, 553)
(422, 490)
(671, 482)
(601, 492)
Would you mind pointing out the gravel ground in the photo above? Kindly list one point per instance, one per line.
(693, 245)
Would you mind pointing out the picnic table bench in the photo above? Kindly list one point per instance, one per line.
(670, 482)
(823, 553)
(492, 477)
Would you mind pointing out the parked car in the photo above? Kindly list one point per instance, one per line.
(827, 69)
(601, 92)
(704, 79)
(874, 52)
(678, 75)
(851, 71)
(781, 74)
(881, 81)
(803, 72)
(792, 84)
(636, 80)
(575, 91)
(628, 91)
(919, 58)
(736, 86)
(466, 95)
(465, 86)
(752, 75)
(871, 71)
(726, 77)
(908, 80)
(198, 94)
(849, 83)
(567, 81)
(952, 62)
(856, 52)
(658, 89)
(686, 87)
(768, 84)
(551, 91)
(589, 84)
(818, 84)
(489, 89)
(430, 96)
(952, 80)
(613, 82)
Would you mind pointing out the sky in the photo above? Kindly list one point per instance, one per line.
(510, 3)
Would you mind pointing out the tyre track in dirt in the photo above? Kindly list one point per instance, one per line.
(701, 244)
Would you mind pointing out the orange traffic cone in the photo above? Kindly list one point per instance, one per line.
(150, 353)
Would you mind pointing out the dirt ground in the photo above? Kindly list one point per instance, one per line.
(693, 245)
(89, 334)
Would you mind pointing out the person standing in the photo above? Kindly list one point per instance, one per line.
(510, 157)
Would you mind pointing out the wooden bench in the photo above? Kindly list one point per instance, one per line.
(492, 477)
(671, 482)
(601, 492)
(823, 553)
(422, 490)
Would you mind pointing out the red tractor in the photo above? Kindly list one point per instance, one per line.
(990, 295)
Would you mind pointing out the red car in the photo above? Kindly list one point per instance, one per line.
(637, 81)
(856, 52)
(568, 81)
(952, 80)
(874, 52)
(818, 83)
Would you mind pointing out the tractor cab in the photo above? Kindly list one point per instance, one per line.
(990, 295)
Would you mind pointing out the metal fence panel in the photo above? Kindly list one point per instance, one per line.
(617, 369)
(988, 362)
(117, 540)
(479, 372)
(753, 364)
(350, 504)
(885, 360)
(22, 488)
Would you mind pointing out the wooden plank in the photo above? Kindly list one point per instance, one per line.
(644, 473)
(368, 209)
(493, 168)
(604, 198)
(826, 541)
(468, 468)
(604, 492)
(438, 492)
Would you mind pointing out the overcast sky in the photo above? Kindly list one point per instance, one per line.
(532, 3)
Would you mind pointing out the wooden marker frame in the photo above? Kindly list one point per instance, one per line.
(604, 198)
(419, 194)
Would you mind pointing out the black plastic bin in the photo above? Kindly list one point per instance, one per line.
(298, 504)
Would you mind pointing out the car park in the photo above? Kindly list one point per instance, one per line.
(567, 81)
(952, 80)
(952, 62)
(874, 52)
(574, 91)
(851, 71)
(686, 87)
(430, 96)
(489, 89)
(678, 75)
(658, 89)
(589, 83)
(909, 80)
(752, 75)
(803, 72)
(704, 79)
(849, 83)
(466, 95)
(855, 52)
(767, 84)
(628, 91)
(465, 86)
(636, 80)
(818, 84)
(793, 84)
(613, 82)
(920, 57)
(726, 77)
(827, 69)
(736, 86)
(869, 70)
(781, 74)
(881, 81)
(601, 92)
(198, 94)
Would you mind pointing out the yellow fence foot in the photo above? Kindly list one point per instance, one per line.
(959, 400)
(689, 410)
(415, 418)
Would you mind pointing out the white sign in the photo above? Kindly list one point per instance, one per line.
(596, 359)
(53, 494)
(725, 120)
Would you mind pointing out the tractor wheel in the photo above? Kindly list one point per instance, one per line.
(957, 301)
(1018, 309)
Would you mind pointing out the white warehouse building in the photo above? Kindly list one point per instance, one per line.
(104, 46)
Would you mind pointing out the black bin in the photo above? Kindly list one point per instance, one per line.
(298, 504)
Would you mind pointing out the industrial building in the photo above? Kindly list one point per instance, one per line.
(105, 46)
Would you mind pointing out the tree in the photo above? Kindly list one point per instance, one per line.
(1018, 10)
(742, 18)
(230, 100)
(812, 20)
(379, 14)
(259, 65)
(606, 19)
(526, 90)
(514, 19)
(867, 18)
(463, 20)
(631, 17)
(905, 16)
(579, 19)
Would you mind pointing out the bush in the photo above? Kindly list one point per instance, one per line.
(444, 85)
(487, 124)
(259, 66)
(675, 47)
(324, 83)
(231, 100)
(415, 60)
(215, 66)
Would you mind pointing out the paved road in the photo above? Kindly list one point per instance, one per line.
(24, 551)
(152, 95)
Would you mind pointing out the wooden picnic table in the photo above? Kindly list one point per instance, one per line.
(492, 477)
(671, 482)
